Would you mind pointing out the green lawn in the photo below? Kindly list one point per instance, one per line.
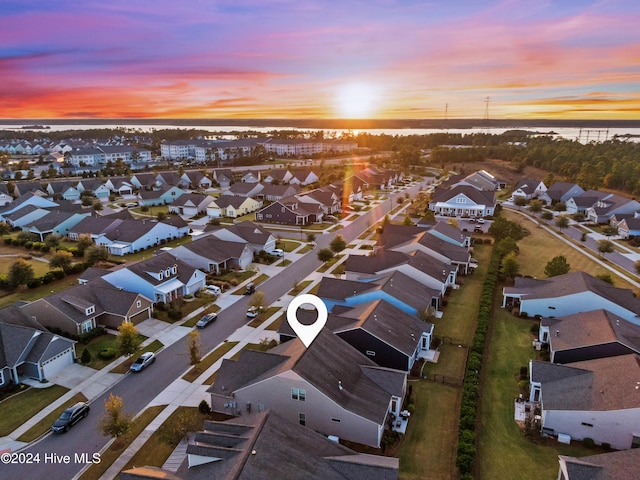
(192, 321)
(39, 267)
(275, 326)
(501, 446)
(260, 319)
(44, 425)
(288, 245)
(95, 346)
(300, 287)
(207, 361)
(19, 408)
(7, 297)
(327, 265)
(283, 263)
(95, 471)
(307, 248)
(429, 447)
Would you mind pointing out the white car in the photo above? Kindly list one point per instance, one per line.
(253, 312)
(480, 220)
(276, 252)
(212, 290)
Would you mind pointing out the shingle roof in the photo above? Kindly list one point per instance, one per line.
(480, 197)
(213, 248)
(527, 185)
(606, 466)
(224, 201)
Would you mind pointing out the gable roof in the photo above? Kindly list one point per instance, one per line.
(527, 185)
(160, 263)
(224, 201)
(251, 232)
(213, 248)
(479, 197)
(606, 466)
(195, 198)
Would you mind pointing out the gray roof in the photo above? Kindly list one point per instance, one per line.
(328, 361)
(606, 466)
(592, 385)
(558, 189)
(50, 221)
(480, 197)
(454, 233)
(195, 198)
(20, 344)
(571, 283)
(160, 263)
(213, 248)
(251, 232)
(527, 185)
(223, 201)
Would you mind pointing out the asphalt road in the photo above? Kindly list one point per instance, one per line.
(137, 390)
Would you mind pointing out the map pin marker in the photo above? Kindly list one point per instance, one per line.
(307, 333)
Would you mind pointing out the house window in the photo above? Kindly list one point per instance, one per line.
(302, 419)
(261, 407)
(461, 200)
(138, 304)
(85, 326)
(298, 394)
(282, 209)
(90, 310)
(1, 377)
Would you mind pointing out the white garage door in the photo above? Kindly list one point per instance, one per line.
(57, 363)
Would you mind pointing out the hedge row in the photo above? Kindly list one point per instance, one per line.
(48, 277)
(28, 244)
(471, 384)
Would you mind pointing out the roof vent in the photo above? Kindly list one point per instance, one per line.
(339, 385)
(557, 333)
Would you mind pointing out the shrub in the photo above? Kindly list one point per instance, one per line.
(411, 408)
(174, 314)
(204, 408)
(162, 306)
(524, 315)
(91, 334)
(28, 245)
(86, 356)
(588, 442)
(107, 353)
(8, 240)
(35, 283)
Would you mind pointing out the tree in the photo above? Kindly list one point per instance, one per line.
(61, 260)
(52, 241)
(86, 356)
(637, 266)
(193, 344)
(161, 216)
(506, 246)
(510, 265)
(311, 237)
(407, 220)
(257, 300)
(605, 246)
(97, 205)
(84, 242)
(520, 201)
(428, 215)
(546, 215)
(128, 338)
(535, 206)
(20, 273)
(557, 266)
(95, 254)
(562, 222)
(338, 244)
(453, 222)
(503, 228)
(115, 422)
(325, 254)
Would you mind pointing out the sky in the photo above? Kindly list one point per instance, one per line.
(564, 59)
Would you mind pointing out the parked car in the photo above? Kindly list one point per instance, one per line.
(250, 288)
(477, 229)
(253, 312)
(143, 361)
(330, 218)
(276, 252)
(212, 290)
(480, 220)
(70, 417)
(206, 320)
(131, 205)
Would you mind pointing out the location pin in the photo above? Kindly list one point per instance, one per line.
(307, 333)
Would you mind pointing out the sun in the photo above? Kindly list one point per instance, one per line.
(357, 100)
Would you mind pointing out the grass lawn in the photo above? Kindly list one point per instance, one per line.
(95, 471)
(429, 446)
(185, 309)
(207, 361)
(318, 226)
(157, 449)
(95, 346)
(124, 366)
(540, 246)
(300, 287)
(39, 267)
(327, 265)
(283, 263)
(19, 408)
(306, 249)
(260, 319)
(44, 425)
(501, 446)
(7, 297)
(275, 326)
(239, 276)
(288, 245)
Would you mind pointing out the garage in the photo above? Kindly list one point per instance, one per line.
(58, 362)
(140, 316)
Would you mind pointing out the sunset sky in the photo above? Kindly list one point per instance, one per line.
(319, 59)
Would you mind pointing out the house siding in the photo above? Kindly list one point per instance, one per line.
(275, 394)
(615, 427)
(385, 354)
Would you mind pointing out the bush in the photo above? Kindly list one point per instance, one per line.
(35, 283)
(411, 408)
(28, 245)
(86, 356)
(91, 334)
(8, 240)
(107, 353)
(174, 314)
(204, 408)
(162, 306)
(588, 442)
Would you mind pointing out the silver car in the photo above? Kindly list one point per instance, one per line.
(143, 361)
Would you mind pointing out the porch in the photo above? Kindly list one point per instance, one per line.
(399, 423)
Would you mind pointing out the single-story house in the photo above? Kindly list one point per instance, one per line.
(231, 206)
(463, 201)
(211, 254)
(528, 188)
(163, 196)
(561, 192)
(254, 235)
(190, 204)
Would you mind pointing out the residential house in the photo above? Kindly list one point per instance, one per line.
(5, 196)
(211, 254)
(481, 180)
(463, 201)
(28, 352)
(24, 216)
(568, 294)
(588, 335)
(528, 188)
(398, 289)
(163, 196)
(278, 176)
(595, 399)
(272, 193)
(240, 189)
(120, 185)
(353, 188)
(581, 203)
(328, 200)
(602, 211)
(24, 200)
(195, 179)
(82, 308)
(377, 329)
(57, 222)
(303, 176)
(170, 179)
(561, 192)
(253, 234)
(63, 189)
(23, 188)
(605, 466)
(95, 186)
(131, 236)
(418, 265)
(224, 177)
(288, 451)
(251, 176)
(144, 181)
(94, 226)
(328, 387)
(162, 278)
(190, 204)
(231, 206)
(290, 211)
(450, 234)
(629, 227)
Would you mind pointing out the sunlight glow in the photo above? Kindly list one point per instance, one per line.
(357, 100)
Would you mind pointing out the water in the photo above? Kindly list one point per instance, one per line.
(584, 135)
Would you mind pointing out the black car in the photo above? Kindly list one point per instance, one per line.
(70, 417)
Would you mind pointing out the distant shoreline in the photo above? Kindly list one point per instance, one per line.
(334, 123)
